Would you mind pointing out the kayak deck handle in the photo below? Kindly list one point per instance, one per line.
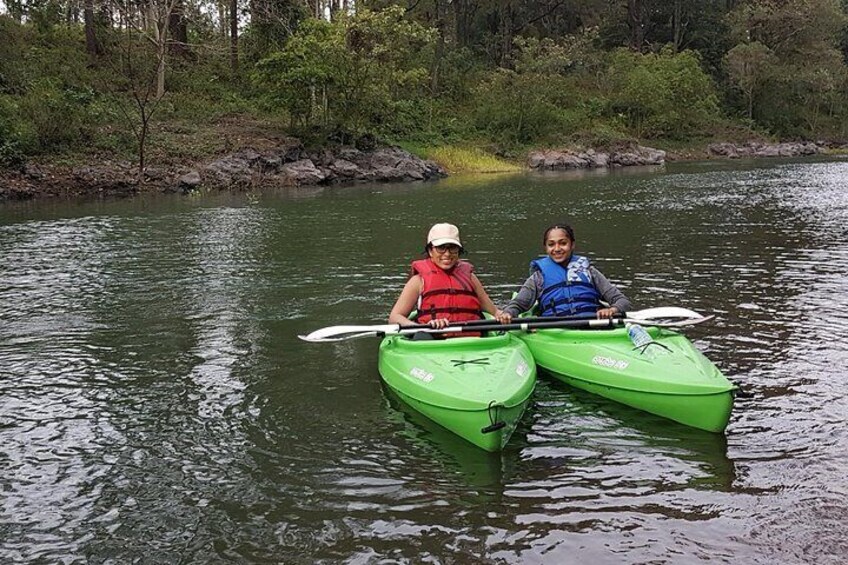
(493, 428)
(493, 417)
(642, 348)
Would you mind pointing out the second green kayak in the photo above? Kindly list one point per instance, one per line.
(477, 387)
(669, 377)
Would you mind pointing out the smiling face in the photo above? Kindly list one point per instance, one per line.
(445, 256)
(558, 245)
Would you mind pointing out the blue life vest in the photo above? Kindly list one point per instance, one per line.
(568, 290)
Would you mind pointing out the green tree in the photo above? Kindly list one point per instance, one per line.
(662, 94)
(538, 101)
(356, 73)
(804, 92)
(750, 67)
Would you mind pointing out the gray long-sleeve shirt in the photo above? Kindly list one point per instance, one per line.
(535, 283)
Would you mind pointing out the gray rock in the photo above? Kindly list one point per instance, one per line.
(155, 173)
(345, 169)
(598, 160)
(651, 156)
(325, 166)
(757, 149)
(303, 172)
(270, 163)
(190, 180)
(568, 159)
(249, 154)
(32, 172)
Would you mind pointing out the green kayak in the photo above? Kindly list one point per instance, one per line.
(476, 387)
(669, 377)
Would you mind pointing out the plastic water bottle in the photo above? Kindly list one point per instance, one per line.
(638, 335)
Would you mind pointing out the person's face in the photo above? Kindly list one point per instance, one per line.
(445, 256)
(558, 246)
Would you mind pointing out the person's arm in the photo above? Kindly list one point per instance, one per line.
(406, 302)
(527, 295)
(486, 302)
(618, 302)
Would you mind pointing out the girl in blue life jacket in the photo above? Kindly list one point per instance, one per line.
(565, 284)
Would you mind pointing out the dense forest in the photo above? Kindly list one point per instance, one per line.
(116, 77)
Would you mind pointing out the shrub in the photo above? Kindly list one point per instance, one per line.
(661, 94)
(354, 74)
(524, 108)
(58, 118)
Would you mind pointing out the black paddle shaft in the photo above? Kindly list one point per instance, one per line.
(529, 320)
(543, 323)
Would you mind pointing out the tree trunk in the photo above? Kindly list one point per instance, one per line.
(505, 31)
(634, 21)
(461, 22)
(178, 29)
(161, 51)
(677, 25)
(440, 46)
(159, 28)
(92, 46)
(142, 141)
(234, 62)
(335, 8)
(224, 18)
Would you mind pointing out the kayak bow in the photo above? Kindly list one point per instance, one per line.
(669, 377)
(476, 387)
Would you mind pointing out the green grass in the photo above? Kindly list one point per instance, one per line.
(463, 159)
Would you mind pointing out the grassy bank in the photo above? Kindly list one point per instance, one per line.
(457, 159)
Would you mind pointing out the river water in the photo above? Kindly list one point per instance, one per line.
(156, 405)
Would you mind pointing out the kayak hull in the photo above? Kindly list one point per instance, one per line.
(670, 378)
(476, 387)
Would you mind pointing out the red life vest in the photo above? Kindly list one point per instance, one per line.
(447, 294)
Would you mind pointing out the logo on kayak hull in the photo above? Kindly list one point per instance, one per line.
(610, 362)
(522, 369)
(421, 374)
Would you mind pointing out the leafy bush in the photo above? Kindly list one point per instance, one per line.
(57, 118)
(12, 151)
(661, 94)
(13, 77)
(355, 74)
(525, 108)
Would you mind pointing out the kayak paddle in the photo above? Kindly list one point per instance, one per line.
(661, 317)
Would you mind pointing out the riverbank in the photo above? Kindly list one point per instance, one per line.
(256, 158)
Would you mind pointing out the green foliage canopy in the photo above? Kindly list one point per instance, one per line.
(662, 94)
(355, 73)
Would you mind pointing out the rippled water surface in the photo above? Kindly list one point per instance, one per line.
(157, 407)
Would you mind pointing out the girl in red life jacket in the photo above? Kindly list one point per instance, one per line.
(443, 288)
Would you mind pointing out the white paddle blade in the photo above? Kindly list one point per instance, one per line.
(337, 333)
(345, 337)
(664, 313)
(677, 323)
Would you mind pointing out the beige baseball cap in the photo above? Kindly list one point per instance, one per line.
(443, 234)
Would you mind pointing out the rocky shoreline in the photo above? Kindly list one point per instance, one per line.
(290, 164)
(560, 159)
(286, 165)
(638, 155)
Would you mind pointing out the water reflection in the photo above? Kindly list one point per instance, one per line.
(156, 405)
(468, 464)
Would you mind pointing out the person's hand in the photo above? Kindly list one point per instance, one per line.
(503, 317)
(439, 323)
(606, 313)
